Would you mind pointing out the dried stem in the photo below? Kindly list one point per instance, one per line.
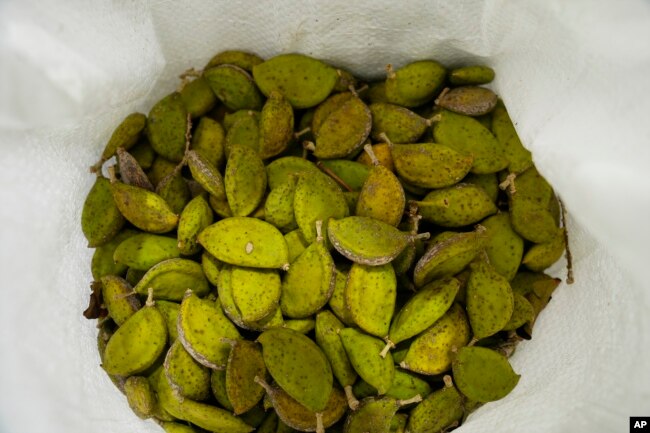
(150, 301)
(569, 256)
(352, 399)
(333, 175)
(509, 183)
(389, 345)
(368, 149)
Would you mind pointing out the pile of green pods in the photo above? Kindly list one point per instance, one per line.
(282, 247)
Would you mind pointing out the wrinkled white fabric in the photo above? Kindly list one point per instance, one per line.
(573, 74)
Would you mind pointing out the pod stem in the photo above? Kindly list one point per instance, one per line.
(386, 140)
(319, 231)
(126, 295)
(415, 399)
(97, 167)
(509, 183)
(333, 175)
(423, 236)
(319, 423)
(352, 399)
(195, 73)
(261, 382)
(150, 301)
(390, 73)
(441, 95)
(299, 134)
(389, 345)
(368, 149)
(569, 256)
(433, 119)
(448, 381)
(111, 174)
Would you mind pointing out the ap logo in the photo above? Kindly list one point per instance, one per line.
(640, 424)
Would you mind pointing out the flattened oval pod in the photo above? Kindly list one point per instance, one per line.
(245, 180)
(430, 165)
(456, 206)
(303, 80)
(143, 154)
(368, 241)
(490, 301)
(278, 207)
(423, 309)
(144, 209)
(438, 411)
(102, 262)
(431, 352)
(375, 415)
(208, 141)
(370, 294)
(344, 131)
(309, 282)
(489, 182)
(415, 83)
(447, 255)
(196, 216)
(327, 107)
(170, 311)
(383, 153)
(304, 326)
(256, 292)
(106, 331)
(185, 375)
(468, 100)
(174, 427)
(345, 80)
(140, 396)
(234, 87)
(475, 74)
(130, 171)
(126, 135)
(218, 386)
(245, 131)
(352, 173)
(542, 256)
(518, 156)
(171, 278)
(298, 365)
(200, 414)
(145, 250)
(522, 313)
(405, 386)
(504, 246)
(119, 299)
(276, 125)
(278, 171)
(198, 97)
(376, 92)
(241, 59)
(400, 124)
(137, 344)
(298, 417)
(166, 127)
(244, 241)
(317, 197)
(174, 189)
(160, 169)
(337, 300)
(363, 353)
(211, 267)
(206, 174)
(466, 135)
(296, 243)
(245, 363)
(483, 374)
(101, 218)
(201, 326)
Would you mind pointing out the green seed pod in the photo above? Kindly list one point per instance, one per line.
(375, 415)
(447, 255)
(170, 311)
(400, 124)
(130, 171)
(279, 170)
(504, 246)
(140, 396)
(337, 300)
(297, 416)
(201, 326)
(245, 180)
(376, 92)
(102, 263)
(304, 326)
(352, 173)
(175, 191)
(185, 375)
(489, 182)
(211, 267)
(245, 363)
(256, 292)
(302, 80)
(317, 197)
(363, 352)
(345, 81)
(529, 196)
(431, 352)
(490, 301)
(145, 250)
(144, 209)
(244, 241)
(206, 174)
(174, 427)
(218, 385)
(203, 415)
(437, 412)
(276, 125)
(456, 206)
(424, 308)
(383, 153)
(429, 165)
(298, 365)
(234, 87)
(518, 156)
(523, 313)
(542, 256)
(166, 127)
(143, 154)
(196, 216)
(327, 107)
(119, 298)
(106, 331)
(170, 279)
(405, 386)
(126, 135)
(468, 100)
(208, 140)
(344, 131)
(198, 97)
(476, 74)
(101, 219)
(296, 244)
(133, 276)
(414, 84)
(368, 241)
(398, 423)
(278, 207)
(370, 295)
(270, 423)
(245, 131)
(160, 169)
(466, 135)
(241, 59)
(483, 374)
(137, 344)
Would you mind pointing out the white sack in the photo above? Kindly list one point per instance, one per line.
(575, 76)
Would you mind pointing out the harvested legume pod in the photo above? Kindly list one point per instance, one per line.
(415, 83)
(245, 180)
(370, 294)
(438, 411)
(430, 165)
(101, 219)
(145, 250)
(234, 87)
(166, 127)
(483, 374)
(477, 74)
(170, 279)
(468, 100)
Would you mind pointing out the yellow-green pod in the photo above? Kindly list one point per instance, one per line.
(279, 170)
(483, 374)
(170, 311)
(542, 256)
(344, 131)
(211, 267)
(405, 386)
(383, 153)
(160, 169)
(174, 427)
(175, 190)
(304, 326)
(528, 198)
(245, 180)
(144, 154)
(437, 412)
(196, 216)
(278, 207)
(375, 414)
(140, 396)
(185, 375)
(352, 173)
(145, 250)
(337, 300)
(208, 140)
(242, 59)
(468, 100)
(345, 80)
(206, 174)
(376, 92)
(170, 279)
(430, 165)
(144, 209)
(475, 74)
(234, 87)
(166, 127)
(415, 83)
(126, 135)
(523, 313)
(102, 262)
(101, 219)
(518, 156)
(198, 97)
(276, 125)
(218, 385)
(456, 206)
(245, 131)
(504, 246)
(490, 301)
(364, 354)
(256, 292)
(327, 107)
(370, 295)
(489, 182)
(296, 244)
(400, 124)
(245, 363)
(119, 299)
